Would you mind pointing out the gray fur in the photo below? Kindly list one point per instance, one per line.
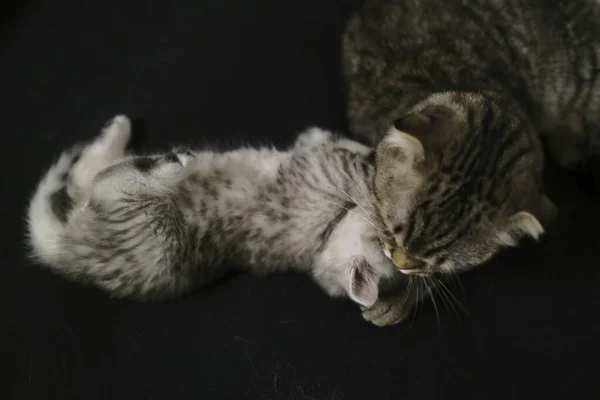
(153, 227)
(475, 86)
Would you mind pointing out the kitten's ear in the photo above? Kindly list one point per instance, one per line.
(364, 284)
(518, 226)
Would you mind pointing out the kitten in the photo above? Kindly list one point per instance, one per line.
(153, 227)
(474, 85)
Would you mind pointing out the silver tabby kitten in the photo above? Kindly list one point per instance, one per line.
(475, 84)
(153, 227)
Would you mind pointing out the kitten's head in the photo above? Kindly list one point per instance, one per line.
(458, 178)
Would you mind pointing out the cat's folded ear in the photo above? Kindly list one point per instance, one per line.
(364, 283)
(421, 135)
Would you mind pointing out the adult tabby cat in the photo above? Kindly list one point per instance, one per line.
(523, 64)
(479, 84)
(153, 227)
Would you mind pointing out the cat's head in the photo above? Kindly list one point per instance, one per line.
(458, 178)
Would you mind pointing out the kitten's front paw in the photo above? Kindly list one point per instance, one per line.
(385, 313)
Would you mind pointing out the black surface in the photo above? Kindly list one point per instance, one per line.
(226, 72)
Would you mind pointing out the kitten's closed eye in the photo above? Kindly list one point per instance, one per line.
(144, 164)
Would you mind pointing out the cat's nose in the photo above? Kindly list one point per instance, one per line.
(404, 262)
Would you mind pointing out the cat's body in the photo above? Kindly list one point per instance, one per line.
(543, 56)
(154, 227)
(476, 86)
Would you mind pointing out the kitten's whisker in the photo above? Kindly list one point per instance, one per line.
(367, 214)
(353, 212)
(351, 198)
(366, 198)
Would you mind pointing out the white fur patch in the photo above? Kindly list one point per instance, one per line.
(44, 226)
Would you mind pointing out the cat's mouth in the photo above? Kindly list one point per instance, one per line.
(404, 263)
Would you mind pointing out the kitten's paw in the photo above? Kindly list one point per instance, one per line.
(385, 313)
(313, 137)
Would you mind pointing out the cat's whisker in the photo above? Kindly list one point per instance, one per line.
(407, 291)
(460, 284)
(414, 310)
(443, 297)
(437, 314)
(451, 298)
(452, 295)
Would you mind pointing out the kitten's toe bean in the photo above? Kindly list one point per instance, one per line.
(385, 313)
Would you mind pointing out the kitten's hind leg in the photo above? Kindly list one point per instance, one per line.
(107, 148)
(313, 138)
(353, 147)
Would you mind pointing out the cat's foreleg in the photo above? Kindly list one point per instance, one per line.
(397, 305)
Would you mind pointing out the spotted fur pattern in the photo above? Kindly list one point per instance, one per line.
(153, 227)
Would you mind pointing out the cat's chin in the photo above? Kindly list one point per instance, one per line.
(411, 272)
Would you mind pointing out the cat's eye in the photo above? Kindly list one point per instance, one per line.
(144, 164)
(171, 157)
(398, 229)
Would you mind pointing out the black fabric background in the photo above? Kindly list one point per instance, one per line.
(224, 73)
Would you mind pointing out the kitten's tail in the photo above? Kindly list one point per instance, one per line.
(46, 217)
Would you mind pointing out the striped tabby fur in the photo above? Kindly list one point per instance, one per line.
(153, 227)
(479, 87)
